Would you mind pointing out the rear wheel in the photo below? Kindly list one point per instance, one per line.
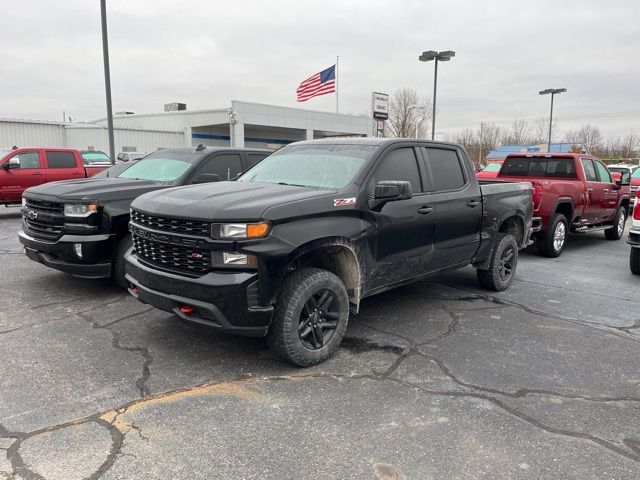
(310, 318)
(118, 263)
(634, 261)
(615, 232)
(502, 268)
(552, 242)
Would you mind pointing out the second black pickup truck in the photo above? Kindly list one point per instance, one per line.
(80, 226)
(301, 238)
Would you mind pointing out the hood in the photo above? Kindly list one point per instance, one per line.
(223, 200)
(100, 189)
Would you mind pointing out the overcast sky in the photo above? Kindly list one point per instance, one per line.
(206, 53)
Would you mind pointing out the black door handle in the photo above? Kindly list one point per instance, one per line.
(424, 210)
(473, 203)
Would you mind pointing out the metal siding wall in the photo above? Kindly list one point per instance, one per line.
(171, 120)
(144, 141)
(31, 134)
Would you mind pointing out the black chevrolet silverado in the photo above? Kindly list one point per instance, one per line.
(303, 237)
(80, 226)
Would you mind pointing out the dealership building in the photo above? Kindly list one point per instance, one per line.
(242, 124)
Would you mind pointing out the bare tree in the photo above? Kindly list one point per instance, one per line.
(404, 120)
(540, 131)
(589, 136)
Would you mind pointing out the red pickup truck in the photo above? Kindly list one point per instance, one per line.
(24, 167)
(571, 192)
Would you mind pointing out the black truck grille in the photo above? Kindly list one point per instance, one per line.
(173, 257)
(174, 225)
(43, 220)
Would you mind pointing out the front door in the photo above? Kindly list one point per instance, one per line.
(609, 201)
(402, 245)
(17, 180)
(458, 207)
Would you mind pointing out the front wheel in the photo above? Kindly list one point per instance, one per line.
(634, 261)
(615, 232)
(310, 318)
(502, 267)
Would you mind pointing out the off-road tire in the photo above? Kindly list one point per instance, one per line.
(118, 263)
(617, 230)
(634, 261)
(501, 269)
(299, 286)
(545, 241)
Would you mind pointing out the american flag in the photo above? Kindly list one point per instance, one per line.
(318, 84)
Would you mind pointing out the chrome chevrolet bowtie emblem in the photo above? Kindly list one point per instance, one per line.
(32, 215)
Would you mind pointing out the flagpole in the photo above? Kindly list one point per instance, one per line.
(337, 60)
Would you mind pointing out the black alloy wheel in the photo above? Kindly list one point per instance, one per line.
(506, 263)
(318, 319)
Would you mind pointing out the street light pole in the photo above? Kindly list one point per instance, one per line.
(107, 79)
(552, 92)
(443, 56)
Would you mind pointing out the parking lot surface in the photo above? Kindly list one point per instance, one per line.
(438, 379)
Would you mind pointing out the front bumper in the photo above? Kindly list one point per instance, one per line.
(634, 238)
(95, 261)
(224, 301)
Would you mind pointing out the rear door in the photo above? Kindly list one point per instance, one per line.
(593, 210)
(16, 180)
(458, 205)
(609, 202)
(62, 165)
(402, 245)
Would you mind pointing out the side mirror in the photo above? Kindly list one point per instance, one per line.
(13, 163)
(206, 178)
(392, 190)
(617, 180)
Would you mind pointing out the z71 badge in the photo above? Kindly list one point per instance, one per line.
(343, 202)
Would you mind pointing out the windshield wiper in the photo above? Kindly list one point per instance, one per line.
(291, 184)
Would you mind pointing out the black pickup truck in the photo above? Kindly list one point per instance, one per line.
(80, 226)
(301, 238)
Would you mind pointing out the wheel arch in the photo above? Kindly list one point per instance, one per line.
(337, 255)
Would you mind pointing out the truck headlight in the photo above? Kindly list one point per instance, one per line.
(243, 230)
(79, 210)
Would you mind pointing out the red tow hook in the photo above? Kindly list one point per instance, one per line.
(135, 290)
(187, 309)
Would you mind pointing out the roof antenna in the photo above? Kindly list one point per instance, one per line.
(200, 147)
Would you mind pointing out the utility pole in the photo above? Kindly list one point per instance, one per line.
(107, 78)
(481, 143)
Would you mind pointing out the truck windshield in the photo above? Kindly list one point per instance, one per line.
(539, 167)
(636, 173)
(492, 167)
(325, 167)
(95, 157)
(165, 168)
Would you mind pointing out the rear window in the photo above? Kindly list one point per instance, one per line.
(539, 167)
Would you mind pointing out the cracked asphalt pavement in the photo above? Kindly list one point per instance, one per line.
(438, 379)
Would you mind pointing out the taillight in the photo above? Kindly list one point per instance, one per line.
(636, 209)
(537, 196)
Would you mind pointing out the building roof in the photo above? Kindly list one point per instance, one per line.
(562, 147)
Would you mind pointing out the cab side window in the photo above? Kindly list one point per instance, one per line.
(603, 173)
(254, 158)
(28, 160)
(399, 164)
(446, 169)
(225, 166)
(589, 170)
(61, 160)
